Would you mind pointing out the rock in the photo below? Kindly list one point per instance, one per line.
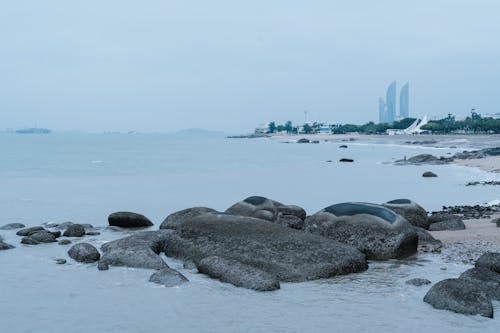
(56, 234)
(315, 141)
(411, 211)
(489, 260)
(5, 246)
(174, 220)
(426, 242)
(238, 274)
(373, 229)
(290, 210)
(29, 231)
(487, 280)
(128, 220)
(428, 174)
(12, 226)
(346, 160)
(139, 250)
(258, 207)
(418, 282)
(445, 221)
(168, 277)
(60, 261)
(43, 236)
(64, 225)
(64, 242)
(461, 296)
(84, 252)
(102, 265)
(343, 146)
(92, 233)
(289, 254)
(291, 221)
(74, 230)
(29, 241)
(303, 140)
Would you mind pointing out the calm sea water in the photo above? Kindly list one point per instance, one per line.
(84, 177)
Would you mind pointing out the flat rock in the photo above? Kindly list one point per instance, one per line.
(128, 220)
(174, 220)
(418, 282)
(238, 274)
(429, 174)
(410, 210)
(84, 252)
(12, 226)
(92, 233)
(447, 224)
(64, 242)
(373, 229)
(29, 231)
(461, 296)
(168, 277)
(489, 260)
(485, 279)
(60, 261)
(74, 230)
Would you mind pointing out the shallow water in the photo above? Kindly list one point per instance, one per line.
(83, 178)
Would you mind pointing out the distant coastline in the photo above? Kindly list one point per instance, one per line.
(34, 130)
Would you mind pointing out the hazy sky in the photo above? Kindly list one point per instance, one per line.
(230, 65)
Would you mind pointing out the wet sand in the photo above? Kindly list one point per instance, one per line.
(491, 164)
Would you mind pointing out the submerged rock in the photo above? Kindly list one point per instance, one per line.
(410, 210)
(174, 220)
(128, 220)
(29, 231)
(74, 230)
(375, 230)
(168, 277)
(418, 282)
(12, 226)
(461, 296)
(489, 260)
(60, 261)
(238, 274)
(428, 174)
(84, 252)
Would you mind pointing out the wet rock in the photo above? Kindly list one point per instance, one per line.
(5, 246)
(373, 229)
(74, 230)
(29, 241)
(411, 211)
(418, 282)
(102, 265)
(128, 220)
(461, 296)
(346, 160)
(238, 274)
(29, 231)
(84, 252)
(428, 174)
(12, 226)
(64, 242)
(174, 220)
(139, 250)
(315, 141)
(43, 236)
(56, 234)
(289, 254)
(343, 146)
(63, 225)
(489, 260)
(168, 277)
(303, 140)
(60, 261)
(440, 222)
(258, 207)
(487, 280)
(92, 233)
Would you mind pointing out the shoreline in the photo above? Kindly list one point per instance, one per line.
(490, 163)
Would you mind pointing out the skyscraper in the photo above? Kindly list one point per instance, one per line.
(382, 116)
(404, 101)
(390, 101)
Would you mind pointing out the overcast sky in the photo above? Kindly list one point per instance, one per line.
(231, 65)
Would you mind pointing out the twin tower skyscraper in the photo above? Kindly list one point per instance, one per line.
(387, 109)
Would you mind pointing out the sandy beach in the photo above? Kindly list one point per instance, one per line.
(491, 164)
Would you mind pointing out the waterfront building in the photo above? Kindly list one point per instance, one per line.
(404, 101)
(382, 116)
(390, 102)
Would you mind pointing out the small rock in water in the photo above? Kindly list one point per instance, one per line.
(168, 277)
(12, 226)
(29, 231)
(418, 282)
(303, 140)
(343, 146)
(75, 230)
(129, 220)
(43, 236)
(5, 246)
(102, 265)
(64, 242)
(84, 252)
(428, 174)
(93, 233)
(346, 160)
(329, 161)
(60, 261)
(29, 241)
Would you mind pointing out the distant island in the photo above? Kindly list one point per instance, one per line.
(34, 130)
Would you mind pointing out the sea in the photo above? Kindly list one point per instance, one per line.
(83, 177)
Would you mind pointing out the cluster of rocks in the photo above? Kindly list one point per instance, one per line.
(38, 234)
(304, 140)
(471, 212)
(431, 159)
(5, 246)
(492, 182)
(473, 291)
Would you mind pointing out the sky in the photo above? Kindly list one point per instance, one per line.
(120, 65)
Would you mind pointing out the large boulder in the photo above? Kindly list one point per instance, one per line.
(461, 296)
(373, 229)
(139, 250)
(168, 277)
(485, 279)
(411, 211)
(238, 274)
(12, 226)
(489, 260)
(174, 220)
(29, 231)
(289, 254)
(74, 230)
(84, 252)
(128, 220)
(444, 221)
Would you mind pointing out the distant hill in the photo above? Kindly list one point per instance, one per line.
(34, 130)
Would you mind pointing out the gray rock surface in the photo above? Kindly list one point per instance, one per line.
(429, 174)
(461, 296)
(258, 207)
(29, 231)
(426, 242)
(12, 226)
(74, 230)
(291, 221)
(418, 282)
(174, 220)
(5, 246)
(168, 277)
(128, 220)
(445, 222)
(489, 260)
(238, 274)
(375, 230)
(29, 241)
(410, 210)
(84, 252)
(43, 236)
(64, 242)
(487, 280)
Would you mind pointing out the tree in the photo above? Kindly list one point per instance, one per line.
(288, 127)
(272, 127)
(307, 129)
